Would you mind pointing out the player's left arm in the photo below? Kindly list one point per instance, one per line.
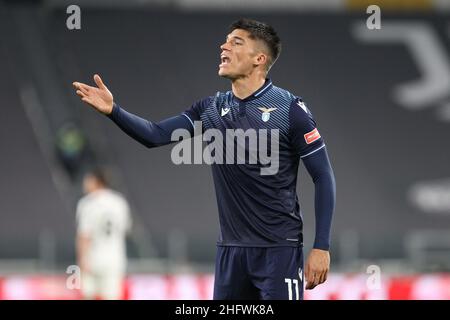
(318, 262)
(309, 144)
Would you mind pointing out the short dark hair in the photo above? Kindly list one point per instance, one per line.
(261, 31)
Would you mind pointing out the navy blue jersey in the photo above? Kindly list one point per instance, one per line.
(257, 200)
(257, 210)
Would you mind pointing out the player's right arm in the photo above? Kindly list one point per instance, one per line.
(150, 134)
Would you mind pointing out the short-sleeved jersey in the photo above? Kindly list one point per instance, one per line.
(260, 210)
(104, 216)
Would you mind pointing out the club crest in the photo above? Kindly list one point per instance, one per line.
(265, 116)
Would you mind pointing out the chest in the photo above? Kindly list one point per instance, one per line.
(254, 115)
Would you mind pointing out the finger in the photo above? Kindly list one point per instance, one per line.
(87, 100)
(310, 281)
(310, 285)
(325, 276)
(308, 273)
(321, 278)
(80, 94)
(316, 281)
(99, 82)
(312, 276)
(78, 85)
(83, 87)
(317, 278)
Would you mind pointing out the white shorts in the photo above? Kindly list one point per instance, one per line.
(102, 285)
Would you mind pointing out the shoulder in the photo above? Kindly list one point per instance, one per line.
(84, 202)
(282, 94)
(201, 104)
(290, 99)
(115, 196)
(195, 111)
(83, 207)
(295, 108)
(209, 104)
(219, 98)
(298, 109)
(281, 98)
(291, 106)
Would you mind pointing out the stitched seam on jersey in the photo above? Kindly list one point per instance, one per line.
(189, 120)
(262, 90)
(301, 157)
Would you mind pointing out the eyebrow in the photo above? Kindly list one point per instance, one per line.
(235, 37)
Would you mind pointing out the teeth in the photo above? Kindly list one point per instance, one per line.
(224, 59)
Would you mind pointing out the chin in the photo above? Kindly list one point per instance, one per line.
(225, 74)
(222, 73)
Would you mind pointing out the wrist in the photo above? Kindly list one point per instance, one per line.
(321, 245)
(112, 111)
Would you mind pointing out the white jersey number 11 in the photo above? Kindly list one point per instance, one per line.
(289, 283)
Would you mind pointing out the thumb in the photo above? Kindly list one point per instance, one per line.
(99, 82)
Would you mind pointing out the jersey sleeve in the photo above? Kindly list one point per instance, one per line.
(84, 218)
(304, 134)
(321, 172)
(155, 134)
(195, 111)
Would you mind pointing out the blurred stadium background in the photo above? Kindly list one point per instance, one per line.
(381, 98)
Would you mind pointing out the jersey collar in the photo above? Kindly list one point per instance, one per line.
(265, 87)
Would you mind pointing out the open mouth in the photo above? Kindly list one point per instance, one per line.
(224, 60)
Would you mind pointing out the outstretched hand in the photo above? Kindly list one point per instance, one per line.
(100, 98)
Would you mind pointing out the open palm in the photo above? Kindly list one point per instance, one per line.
(100, 98)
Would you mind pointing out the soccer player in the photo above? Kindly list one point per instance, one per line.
(103, 219)
(259, 249)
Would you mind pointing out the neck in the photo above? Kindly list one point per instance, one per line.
(245, 86)
(96, 188)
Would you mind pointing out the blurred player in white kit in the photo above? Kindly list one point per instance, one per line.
(103, 218)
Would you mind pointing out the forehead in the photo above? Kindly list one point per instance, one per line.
(88, 178)
(239, 33)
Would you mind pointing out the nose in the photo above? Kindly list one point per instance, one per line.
(225, 46)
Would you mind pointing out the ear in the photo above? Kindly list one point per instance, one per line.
(261, 59)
